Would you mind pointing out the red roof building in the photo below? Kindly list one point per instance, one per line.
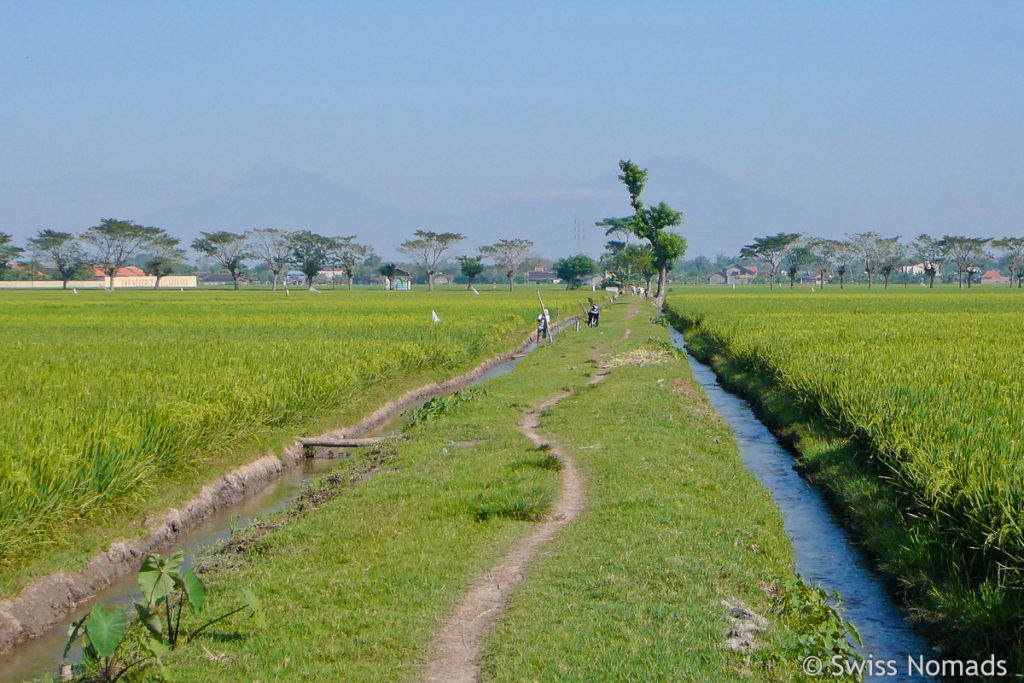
(126, 271)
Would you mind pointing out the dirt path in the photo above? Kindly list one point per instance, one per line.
(457, 647)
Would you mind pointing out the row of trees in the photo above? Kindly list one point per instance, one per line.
(877, 256)
(114, 243)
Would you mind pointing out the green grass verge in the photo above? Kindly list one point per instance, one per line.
(965, 613)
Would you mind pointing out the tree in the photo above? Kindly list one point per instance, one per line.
(964, 252)
(844, 255)
(272, 247)
(891, 255)
(1013, 251)
(470, 267)
(7, 253)
(229, 250)
(649, 224)
(164, 256)
(930, 252)
(112, 242)
(823, 253)
(350, 255)
(770, 250)
(796, 256)
(573, 269)
(508, 254)
(312, 252)
(867, 247)
(388, 270)
(59, 251)
(428, 248)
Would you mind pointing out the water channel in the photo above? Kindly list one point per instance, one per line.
(42, 656)
(825, 552)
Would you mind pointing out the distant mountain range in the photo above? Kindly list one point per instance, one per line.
(721, 214)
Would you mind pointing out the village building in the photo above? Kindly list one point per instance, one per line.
(994, 277)
(539, 276)
(733, 275)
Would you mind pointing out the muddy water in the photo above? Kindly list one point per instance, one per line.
(42, 656)
(825, 552)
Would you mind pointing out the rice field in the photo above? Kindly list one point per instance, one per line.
(103, 394)
(929, 384)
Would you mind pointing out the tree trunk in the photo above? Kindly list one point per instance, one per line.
(931, 280)
(1011, 279)
(841, 278)
(275, 281)
(822, 273)
(511, 281)
(792, 281)
(350, 283)
(885, 277)
(771, 280)
(869, 279)
(430, 281)
(156, 285)
(110, 274)
(234, 277)
(659, 298)
(960, 279)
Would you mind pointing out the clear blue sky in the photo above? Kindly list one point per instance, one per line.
(911, 111)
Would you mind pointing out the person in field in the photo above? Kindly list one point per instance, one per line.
(594, 316)
(543, 325)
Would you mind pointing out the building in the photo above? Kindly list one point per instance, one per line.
(221, 279)
(125, 271)
(539, 276)
(994, 277)
(733, 275)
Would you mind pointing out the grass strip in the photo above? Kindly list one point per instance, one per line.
(673, 526)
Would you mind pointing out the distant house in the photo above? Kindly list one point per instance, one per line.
(126, 271)
(733, 275)
(914, 269)
(294, 278)
(539, 276)
(994, 277)
(811, 277)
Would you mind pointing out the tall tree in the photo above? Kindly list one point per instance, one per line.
(930, 253)
(428, 248)
(891, 255)
(111, 243)
(229, 250)
(796, 256)
(770, 250)
(844, 257)
(7, 253)
(867, 247)
(573, 269)
(350, 256)
(964, 252)
(650, 224)
(823, 253)
(164, 257)
(470, 267)
(509, 254)
(312, 252)
(272, 247)
(58, 251)
(1012, 249)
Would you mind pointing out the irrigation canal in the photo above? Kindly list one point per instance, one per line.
(825, 552)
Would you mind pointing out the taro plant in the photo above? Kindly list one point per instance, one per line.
(815, 615)
(166, 589)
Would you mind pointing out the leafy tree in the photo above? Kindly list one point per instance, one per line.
(844, 255)
(59, 251)
(7, 253)
(573, 269)
(770, 250)
(111, 243)
(650, 224)
(796, 256)
(508, 254)
(931, 253)
(1013, 251)
(470, 267)
(867, 247)
(229, 250)
(272, 247)
(350, 255)
(388, 270)
(311, 253)
(823, 253)
(964, 253)
(891, 255)
(164, 257)
(428, 248)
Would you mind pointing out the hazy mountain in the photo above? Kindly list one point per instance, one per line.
(721, 214)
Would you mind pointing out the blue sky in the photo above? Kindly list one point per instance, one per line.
(895, 114)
